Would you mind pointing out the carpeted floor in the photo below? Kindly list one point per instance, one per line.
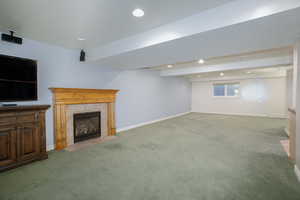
(193, 157)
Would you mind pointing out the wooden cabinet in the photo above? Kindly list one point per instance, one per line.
(22, 135)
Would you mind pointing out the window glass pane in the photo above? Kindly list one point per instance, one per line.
(233, 89)
(219, 90)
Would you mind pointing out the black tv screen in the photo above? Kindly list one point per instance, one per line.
(18, 79)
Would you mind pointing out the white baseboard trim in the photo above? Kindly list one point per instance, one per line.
(277, 116)
(50, 147)
(244, 114)
(150, 122)
(297, 172)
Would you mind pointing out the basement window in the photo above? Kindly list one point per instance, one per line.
(226, 89)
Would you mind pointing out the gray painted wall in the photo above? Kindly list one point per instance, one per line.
(143, 96)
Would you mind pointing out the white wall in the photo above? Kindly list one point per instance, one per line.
(144, 95)
(289, 87)
(260, 97)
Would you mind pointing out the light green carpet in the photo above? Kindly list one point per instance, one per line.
(196, 156)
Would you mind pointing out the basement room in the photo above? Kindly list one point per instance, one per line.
(149, 100)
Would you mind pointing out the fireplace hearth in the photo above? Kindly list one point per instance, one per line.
(87, 126)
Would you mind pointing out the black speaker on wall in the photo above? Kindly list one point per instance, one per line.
(82, 56)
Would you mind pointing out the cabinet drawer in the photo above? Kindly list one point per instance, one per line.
(7, 119)
(27, 117)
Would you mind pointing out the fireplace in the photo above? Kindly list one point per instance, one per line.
(69, 101)
(87, 126)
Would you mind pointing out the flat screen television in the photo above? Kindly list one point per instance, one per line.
(18, 79)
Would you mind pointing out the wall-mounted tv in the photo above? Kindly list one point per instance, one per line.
(18, 79)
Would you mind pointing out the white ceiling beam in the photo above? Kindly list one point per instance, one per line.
(253, 64)
(235, 12)
(278, 74)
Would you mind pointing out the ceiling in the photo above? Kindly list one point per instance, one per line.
(267, 32)
(255, 63)
(243, 57)
(62, 22)
(171, 32)
(241, 74)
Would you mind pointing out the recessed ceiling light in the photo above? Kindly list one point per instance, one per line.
(249, 72)
(138, 12)
(201, 61)
(170, 66)
(222, 74)
(81, 39)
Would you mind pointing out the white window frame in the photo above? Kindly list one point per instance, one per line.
(226, 85)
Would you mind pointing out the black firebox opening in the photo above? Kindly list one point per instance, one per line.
(87, 126)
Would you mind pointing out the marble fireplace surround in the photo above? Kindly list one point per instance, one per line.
(68, 101)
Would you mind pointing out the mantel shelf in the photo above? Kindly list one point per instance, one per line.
(82, 96)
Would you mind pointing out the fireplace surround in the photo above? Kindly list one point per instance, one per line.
(69, 101)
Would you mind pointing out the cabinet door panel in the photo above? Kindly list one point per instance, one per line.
(7, 146)
(29, 141)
